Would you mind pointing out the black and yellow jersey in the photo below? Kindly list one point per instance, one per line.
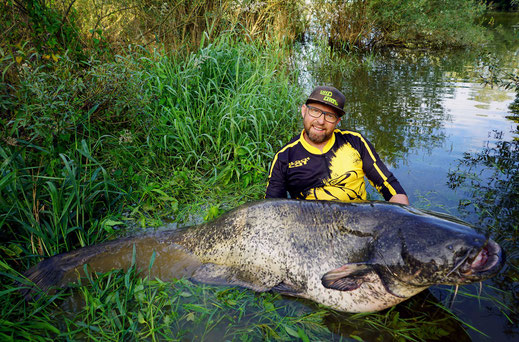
(337, 173)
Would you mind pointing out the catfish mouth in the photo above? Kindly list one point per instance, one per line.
(483, 263)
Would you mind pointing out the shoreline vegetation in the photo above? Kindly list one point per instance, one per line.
(118, 114)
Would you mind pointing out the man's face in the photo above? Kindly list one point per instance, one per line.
(318, 130)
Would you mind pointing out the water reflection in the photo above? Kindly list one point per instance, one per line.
(420, 317)
(490, 177)
(399, 107)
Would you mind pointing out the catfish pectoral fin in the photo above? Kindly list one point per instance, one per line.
(395, 286)
(210, 273)
(287, 289)
(346, 278)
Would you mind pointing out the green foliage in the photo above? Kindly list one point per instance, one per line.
(146, 132)
(55, 188)
(490, 181)
(439, 22)
(69, 96)
(408, 23)
(48, 208)
(47, 28)
(212, 111)
(495, 198)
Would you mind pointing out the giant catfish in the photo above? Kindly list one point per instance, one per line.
(355, 257)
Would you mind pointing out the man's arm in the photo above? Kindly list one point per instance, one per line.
(380, 176)
(276, 184)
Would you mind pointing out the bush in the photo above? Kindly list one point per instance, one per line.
(368, 23)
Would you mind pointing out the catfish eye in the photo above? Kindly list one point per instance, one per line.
(450, 247)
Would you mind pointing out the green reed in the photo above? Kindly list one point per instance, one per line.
(213, 111)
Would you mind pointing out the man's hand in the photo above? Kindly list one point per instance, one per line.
(399, 198)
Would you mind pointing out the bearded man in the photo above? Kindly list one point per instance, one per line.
(325, 163)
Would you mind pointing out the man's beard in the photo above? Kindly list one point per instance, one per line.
(317, 138)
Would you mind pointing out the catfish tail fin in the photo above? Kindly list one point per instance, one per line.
(42, 277)
(60, 269)
(169, 260)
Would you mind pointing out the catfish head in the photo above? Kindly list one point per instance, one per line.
(414, 249)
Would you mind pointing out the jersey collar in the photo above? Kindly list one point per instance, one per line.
(313, 149)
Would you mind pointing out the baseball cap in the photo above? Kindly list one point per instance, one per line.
(329, 96)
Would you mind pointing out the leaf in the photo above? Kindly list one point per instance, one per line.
(302, 335)
(13, 250)
(112, 223)
(212, 213)
(240, 151)
(140, 318)
(152, 260)
(45, 326)
(290, 331)
(269, 306)
(190, 317)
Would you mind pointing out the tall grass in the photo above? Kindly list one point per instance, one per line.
(147, 131)
(223, 111)
(86, 146)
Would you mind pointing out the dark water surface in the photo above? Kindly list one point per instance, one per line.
(438, 128)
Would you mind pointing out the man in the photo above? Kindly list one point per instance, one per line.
(325, 163)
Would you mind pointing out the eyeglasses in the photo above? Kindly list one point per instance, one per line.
(316, 113)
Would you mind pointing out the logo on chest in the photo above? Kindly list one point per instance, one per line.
(298, 163)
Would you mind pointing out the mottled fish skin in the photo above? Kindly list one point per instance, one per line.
(358, 257)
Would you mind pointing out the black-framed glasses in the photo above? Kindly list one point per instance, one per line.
(316, 113)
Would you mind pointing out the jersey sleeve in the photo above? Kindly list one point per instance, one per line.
(377, 173)
(276, 185)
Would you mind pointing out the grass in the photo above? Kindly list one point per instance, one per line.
(143, 138)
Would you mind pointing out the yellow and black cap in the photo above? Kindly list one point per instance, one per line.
(329, 96)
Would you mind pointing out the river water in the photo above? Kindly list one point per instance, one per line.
(428, 115)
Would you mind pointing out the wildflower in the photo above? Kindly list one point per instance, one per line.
(11, 141)
(125, 137)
